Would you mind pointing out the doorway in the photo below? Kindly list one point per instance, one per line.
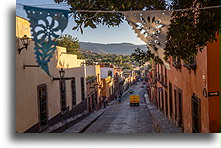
(42, 106)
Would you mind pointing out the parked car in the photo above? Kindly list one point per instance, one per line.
(131, 91)
(141, 86)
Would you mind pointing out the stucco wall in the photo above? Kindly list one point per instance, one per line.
(90, 70)
(67, 60)
(213, 59)
(27, 81)
(206, 77)
(104, 72)
(22, 27)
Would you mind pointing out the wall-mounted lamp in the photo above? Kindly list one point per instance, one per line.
(62, 73)
(25, 41)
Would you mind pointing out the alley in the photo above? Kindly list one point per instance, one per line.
(123, 118)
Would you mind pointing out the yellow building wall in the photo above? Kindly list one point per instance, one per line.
(29, 78)
(27, 81)
(67, 60)
(22, 27)
(107, 83)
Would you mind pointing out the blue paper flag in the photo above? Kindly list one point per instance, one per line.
(46, 26)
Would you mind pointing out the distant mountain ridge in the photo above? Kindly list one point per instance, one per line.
(113, 48)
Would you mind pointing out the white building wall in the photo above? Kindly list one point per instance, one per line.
(104, 72)
(90, 70)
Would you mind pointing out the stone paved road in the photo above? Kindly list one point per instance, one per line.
(123, 118)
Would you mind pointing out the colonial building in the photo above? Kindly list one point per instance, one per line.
(188, 93)
(42, 100)
(129, 78)
(93, 81)
(107, 81)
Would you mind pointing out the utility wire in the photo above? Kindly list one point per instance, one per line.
(113, 11)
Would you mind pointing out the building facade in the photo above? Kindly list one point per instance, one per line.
(188, 93)
(43, 100)
(93, 81)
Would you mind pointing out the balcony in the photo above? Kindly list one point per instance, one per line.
(177, 63)
(163, 81)
(191, 64)
(153, 84)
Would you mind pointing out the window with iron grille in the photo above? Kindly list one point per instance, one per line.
(180, 107)
(43, 105)
(166, 102)
(73, 88)
(158, 105)
(95, 96)
(175, 103)
(196, 110)
(171, 99)
(63, 95)
(165, 75)
(192, 59)
(162, 100)
(82, 89)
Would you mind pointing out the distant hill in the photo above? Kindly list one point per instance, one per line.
(114, 48)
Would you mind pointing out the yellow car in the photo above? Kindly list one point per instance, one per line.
(134, 100)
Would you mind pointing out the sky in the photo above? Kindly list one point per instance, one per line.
(101, 34)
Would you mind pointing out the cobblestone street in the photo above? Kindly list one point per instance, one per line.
(123, 118)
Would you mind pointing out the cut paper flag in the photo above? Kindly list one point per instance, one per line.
(151, 27)
(46, 26)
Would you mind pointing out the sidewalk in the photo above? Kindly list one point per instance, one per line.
(160, 121)
(82, 125)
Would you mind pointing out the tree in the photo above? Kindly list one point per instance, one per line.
(85, 19)
(71, 44)
(191, 30)
(126, 66)
(142, 57)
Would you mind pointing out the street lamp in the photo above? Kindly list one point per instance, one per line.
(62, 73)
(25, 41)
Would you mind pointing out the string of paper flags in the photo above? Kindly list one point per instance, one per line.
(47, 24)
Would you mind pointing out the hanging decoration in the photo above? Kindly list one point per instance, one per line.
(151, 27)
(46, 26)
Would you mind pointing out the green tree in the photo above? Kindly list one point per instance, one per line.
(85, 19)
(191, 30)
(126, 66)
(71, 44)
(142, 57)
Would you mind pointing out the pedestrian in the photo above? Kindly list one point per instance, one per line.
(106, 103)
(103, 101)
(119, 99)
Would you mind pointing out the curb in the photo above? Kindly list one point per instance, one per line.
(89, 124)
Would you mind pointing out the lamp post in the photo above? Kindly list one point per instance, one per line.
(25, 41)
(62, 73)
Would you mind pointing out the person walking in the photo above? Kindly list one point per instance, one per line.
(119, 99)
(104, 101)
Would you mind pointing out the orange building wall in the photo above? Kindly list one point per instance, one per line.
(206, 77)
(189, 82)
(214, 85)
